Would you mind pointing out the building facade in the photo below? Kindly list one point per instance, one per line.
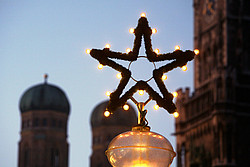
(44, 118)
(104, 129)
(213, 127)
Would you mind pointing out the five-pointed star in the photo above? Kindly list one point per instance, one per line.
(178, 57)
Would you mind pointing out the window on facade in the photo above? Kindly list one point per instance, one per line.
(183, 155)
(26, 157)
(60, 123)
(44, 123)
(53, 123)
(36, 122)
(54, 162)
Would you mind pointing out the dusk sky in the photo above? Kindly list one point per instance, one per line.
(40, 36)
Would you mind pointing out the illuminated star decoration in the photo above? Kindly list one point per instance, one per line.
(178, 57)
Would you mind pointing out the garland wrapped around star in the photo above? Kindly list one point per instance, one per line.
(178, 58)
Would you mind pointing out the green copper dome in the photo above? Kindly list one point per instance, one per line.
(119, 118)
(44, 97)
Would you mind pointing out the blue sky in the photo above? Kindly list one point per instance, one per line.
(38, 37)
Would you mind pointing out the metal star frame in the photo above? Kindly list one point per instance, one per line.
(178, 57)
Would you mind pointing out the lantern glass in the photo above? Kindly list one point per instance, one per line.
(140, 149)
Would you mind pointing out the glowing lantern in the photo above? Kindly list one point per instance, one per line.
(164, 77)
(126, 107)
(196, 51)
(140, 148)
(184, 68)
(143, 14)
(141, 92)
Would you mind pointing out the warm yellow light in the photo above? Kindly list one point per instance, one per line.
(154, 30)
(196, 51)
(143, 14)
(141, 92)
(156, 107)
(108, 93)
(131, 30)
(140, 163)
(164, 77)
(177, 47)
(184, 68)
(119, 75)
(126, 107)
(157, 51)
(176, 114)
(175, 94)
(100, 66)
(88, 51)
(128, 50)
(107, 45)
(106, 113)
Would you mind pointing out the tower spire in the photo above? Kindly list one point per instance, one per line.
(46, 78)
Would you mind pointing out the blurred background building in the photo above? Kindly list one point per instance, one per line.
(213, 127)
(104, 129)
(44, 112)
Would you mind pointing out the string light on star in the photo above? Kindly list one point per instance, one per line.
(156, 107)
(164, 77)
(126, 107)
(87, 51)
(176, 114)
(157, 51)
(141, 92)
(184, 68)
(177, 47)
(196, 51)
(106, 113)
(175, 94)
(143, 14)
(100, 66)
(118, 75)
(131, 30)
(154, 30)
(128, 50)
(108, 93)
(107, 46)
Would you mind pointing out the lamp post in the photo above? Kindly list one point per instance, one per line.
(140, 147)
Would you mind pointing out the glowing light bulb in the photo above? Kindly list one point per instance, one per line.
(106, 113)
(143, 14)
(184, 68)
(119, 75)
(141, 92)
(88, 51)
(107, 45)
(154, 30)
(131, 30)
(108, 93)
(196, 51)
(128, 50)
(164, 77)
(176, 114)
(177, 47)
(126, 107)
(157, 51)
(175, 94)
(156, 107)
(100, 66)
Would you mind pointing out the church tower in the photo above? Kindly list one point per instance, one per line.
(214, 121)
(104, 129)
(44, 113)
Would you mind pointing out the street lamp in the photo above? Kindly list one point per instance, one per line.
(141, 147)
